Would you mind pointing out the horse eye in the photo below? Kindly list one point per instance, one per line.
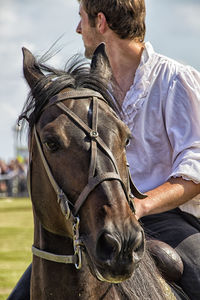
(51, 146)
(127, 142)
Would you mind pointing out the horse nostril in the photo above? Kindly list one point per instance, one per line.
(107, 247)
(139, 242)
(138, 246)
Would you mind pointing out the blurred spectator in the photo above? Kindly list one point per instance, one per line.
(3, 171)
(13, 178)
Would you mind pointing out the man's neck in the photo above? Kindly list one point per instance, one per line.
(124, 57)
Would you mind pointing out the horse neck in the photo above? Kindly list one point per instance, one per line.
(52, 280)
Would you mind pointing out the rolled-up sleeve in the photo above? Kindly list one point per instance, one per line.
(182, 119)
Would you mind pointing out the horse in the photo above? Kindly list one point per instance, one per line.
(88, 243)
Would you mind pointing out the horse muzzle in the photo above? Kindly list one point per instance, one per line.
(116, 257)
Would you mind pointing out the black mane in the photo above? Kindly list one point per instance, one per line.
(76, 74)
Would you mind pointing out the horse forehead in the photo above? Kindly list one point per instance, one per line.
(109, 119)
(83, 109)
(54, 112)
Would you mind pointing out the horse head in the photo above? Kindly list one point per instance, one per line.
(78, 166)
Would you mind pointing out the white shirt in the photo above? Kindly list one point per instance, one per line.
(162, 110)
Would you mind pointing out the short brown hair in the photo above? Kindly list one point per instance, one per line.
(125, 17)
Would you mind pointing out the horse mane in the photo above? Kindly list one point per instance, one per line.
(145, 283)
(76, 74)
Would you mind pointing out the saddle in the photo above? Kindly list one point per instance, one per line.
(167, 260)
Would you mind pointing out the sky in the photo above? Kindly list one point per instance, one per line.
(173, 27)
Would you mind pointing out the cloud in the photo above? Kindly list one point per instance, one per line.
(189, 12)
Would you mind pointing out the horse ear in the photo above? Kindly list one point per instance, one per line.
(100, 62)
(32, 72)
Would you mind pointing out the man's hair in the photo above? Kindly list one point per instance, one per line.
(125, 17)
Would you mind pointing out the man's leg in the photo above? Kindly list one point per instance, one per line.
(22, 288)
(184, 236)
(189, 250)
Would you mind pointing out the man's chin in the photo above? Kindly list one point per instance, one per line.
(89, 53)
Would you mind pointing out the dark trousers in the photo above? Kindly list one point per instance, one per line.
(181, 231)
(22, 289)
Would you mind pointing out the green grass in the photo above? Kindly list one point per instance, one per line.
(16, 236)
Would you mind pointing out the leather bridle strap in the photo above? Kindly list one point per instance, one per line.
(95, 139)
(61, 196)
(92, 184)
(93, 134)
(93, 158)
(74, 94)
(65, 259)
(93, 181)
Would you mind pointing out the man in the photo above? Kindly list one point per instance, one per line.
(160, 100)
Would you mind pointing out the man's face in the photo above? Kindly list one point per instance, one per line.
(90, 36)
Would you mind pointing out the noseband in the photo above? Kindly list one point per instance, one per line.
(93, 181)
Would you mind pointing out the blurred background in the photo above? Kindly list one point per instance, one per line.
(173, 27)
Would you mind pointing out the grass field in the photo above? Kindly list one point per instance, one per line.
(16, 235)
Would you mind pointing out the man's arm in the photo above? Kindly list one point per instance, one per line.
(169, 195)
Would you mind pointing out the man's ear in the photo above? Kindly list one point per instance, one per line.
(101, 23)
(100, 62)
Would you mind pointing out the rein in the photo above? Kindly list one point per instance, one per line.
(93, 181)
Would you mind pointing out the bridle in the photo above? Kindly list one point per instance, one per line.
(93, 181)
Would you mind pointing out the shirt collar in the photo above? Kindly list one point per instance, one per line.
(139, 88)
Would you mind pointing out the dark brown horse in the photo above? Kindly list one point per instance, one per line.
(87, 241)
